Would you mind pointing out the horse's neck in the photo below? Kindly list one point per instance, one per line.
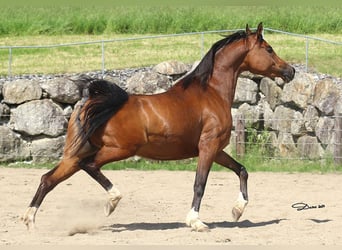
(225, 75)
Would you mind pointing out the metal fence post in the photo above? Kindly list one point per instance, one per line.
(103, 59)
(10, 63)
(202, 44)
(307, 55)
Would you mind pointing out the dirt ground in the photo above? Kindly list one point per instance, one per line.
(155, 204)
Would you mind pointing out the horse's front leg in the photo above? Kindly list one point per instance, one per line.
(205, 160)
(227, 161)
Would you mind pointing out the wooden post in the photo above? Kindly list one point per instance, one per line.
(240, 135)
(338, 140)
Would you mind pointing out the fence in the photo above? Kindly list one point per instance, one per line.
(263, 142)
(104, 55)
(242, 139)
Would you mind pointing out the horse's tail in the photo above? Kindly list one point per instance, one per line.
(105, 99)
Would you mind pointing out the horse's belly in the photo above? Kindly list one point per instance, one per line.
(168, 150)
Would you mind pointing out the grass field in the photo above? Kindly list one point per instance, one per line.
(22, 26)
(323, 57)
(71, 20)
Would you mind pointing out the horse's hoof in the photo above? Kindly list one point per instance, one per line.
(195, 223)
(199, 226)
(29, 217)
(236, 213)
(111, 205)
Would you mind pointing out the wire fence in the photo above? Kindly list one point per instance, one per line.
(265, 140)
(258, 143)
(104, 50)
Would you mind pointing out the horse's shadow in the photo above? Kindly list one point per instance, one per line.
(149, 226)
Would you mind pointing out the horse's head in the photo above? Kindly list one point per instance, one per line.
(261, 58)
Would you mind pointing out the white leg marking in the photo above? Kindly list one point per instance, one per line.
(114, 198)
(239, 207)
(193, 221)
(29, 218)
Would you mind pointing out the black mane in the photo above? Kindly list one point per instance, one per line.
(205, 68)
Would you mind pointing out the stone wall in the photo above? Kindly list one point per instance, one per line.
(298, 116)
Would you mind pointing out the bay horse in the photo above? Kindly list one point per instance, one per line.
(192, 119)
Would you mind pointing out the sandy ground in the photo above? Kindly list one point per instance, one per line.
(155, 204)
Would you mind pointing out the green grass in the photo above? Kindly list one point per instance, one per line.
(253, 162)
(323, 57)
(65, 24)
(73, 20)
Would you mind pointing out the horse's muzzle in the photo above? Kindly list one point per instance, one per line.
(288, 73)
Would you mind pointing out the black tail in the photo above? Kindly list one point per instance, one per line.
(105, 99)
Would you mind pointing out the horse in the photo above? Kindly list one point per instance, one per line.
(191, 119)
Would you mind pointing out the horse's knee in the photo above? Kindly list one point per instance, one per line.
(243, 173)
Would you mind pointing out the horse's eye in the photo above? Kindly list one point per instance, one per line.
(269, 49)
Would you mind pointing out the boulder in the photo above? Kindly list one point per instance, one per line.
(39, 117)
(299, 91)
(282, 119)
(266, 115)
(309, 148)
(147, 83)
(171, 68)
(21, 91)
(4, 111)
(62, 90)
(47, 149)
(246, 91)
(271, 91)
(297, 124)
(250, 113)
(310, 118)
(326, 96)
(12, 147)
(324, 129)
(285, 145)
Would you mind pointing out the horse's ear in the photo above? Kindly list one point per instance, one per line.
(248, 31)
(259, 30)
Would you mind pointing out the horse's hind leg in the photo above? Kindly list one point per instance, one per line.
(115, 196)
(65, 169)
(227, 161)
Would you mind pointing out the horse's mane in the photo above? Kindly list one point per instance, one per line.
(205, 68)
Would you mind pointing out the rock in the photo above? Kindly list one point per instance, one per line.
(326, 96)
(39, 117)
(297, 124)
(62, 90)
(21, 91)
(12, 147)
(310, 118)
(286, 146)
(171, 68)
(250, 113)
(324, 129)
(271, 91)
(282, 119)
(47, 149)
(147, 83)
(246, 91)
(4, 111)
(309, 148)
(338, 106)
(266, 113)
(299, 91)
